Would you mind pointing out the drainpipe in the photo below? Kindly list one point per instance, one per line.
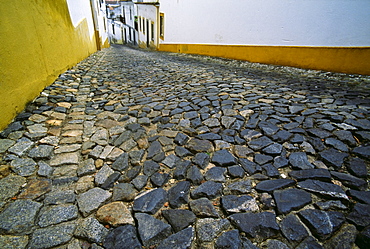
(96, 27)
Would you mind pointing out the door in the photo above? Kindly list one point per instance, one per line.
(147, 34)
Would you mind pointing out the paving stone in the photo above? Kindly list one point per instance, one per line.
(331, 205)
(198, 146)
(179, 194)
(21, 147)
(159, 179)
(262, 159)
(259, 143)
(299, 160)
(194, 175)
(57, 214)
(230, 239)
(10, 186)
(271, 185)
(124, 237)
(216, 174)
(10, 242)
(19, 216)
(293, 229)
(319, 133)
(179, 218)
(91, 200)
(309, 242)
(152, 231)
(181, 139)
(262, 225)
(349, 180)
(344, 238)
(35, 188)
(154, 149)
(291, 199)
(363, 238)
(362, 151)
(179, 240)
(181, 169)
(201, 159)
(357, 167)
(150, 201)
(235, 171)
(238, 188)
(360, 215)
(203, 207)
(317, 174)
(52, 236)
(60, 197)
(237, 204)
(209, 228)
(223, 158)
(140, 181)
(64, 158)
(124, 192)
(86, 167)
(323, 188)
(171, 160)
(249, 166)
(150, 167)
(268, 128)
(44, 169)
(23, 166)
(274, 243)
(41, 152)
(115, 214)
(333, 157)
(103, 174)
(361, 196)
(322, 224)
(208, 189)
(91, 230)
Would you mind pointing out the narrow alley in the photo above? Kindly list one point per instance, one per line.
(141, 149)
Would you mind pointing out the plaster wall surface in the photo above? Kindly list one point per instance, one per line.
(268, 22)
(39, 40)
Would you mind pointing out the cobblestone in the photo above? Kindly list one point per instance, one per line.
(139, 149)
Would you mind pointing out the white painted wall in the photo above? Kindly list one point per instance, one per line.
(149, 12)
(267, 22)
(80, 10)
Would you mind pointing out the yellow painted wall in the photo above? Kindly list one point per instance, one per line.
(37, 43)
(354, 60)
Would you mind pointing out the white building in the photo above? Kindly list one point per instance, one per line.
(148, 19)
(326, 35)
(122, 23)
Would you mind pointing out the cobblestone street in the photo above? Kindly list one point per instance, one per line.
(139, 149)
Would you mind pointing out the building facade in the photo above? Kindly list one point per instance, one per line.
(148, 19)
(122, 22)
(39, 41)
(324, 35)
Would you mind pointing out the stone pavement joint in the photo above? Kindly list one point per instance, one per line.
(140, 149)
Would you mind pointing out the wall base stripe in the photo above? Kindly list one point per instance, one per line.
(352, 60)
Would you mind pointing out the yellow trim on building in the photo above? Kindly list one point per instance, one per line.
(353, 60)
(38, 42)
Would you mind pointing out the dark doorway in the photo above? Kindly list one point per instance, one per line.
(147, 34)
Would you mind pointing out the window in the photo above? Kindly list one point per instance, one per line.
(161, 26)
